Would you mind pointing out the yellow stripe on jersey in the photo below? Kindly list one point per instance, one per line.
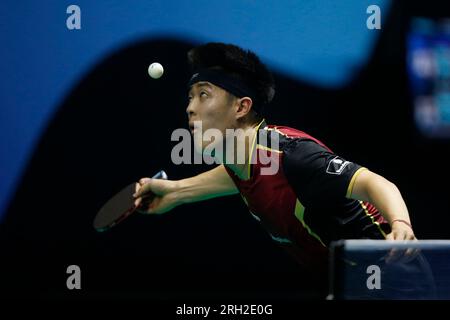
(276, 130)
(260, 146)
(371, 218)
(299, 213)
(352, 182)
(253, 147)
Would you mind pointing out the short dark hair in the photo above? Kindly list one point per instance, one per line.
(236, 62)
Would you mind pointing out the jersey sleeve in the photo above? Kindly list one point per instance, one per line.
(318, 176)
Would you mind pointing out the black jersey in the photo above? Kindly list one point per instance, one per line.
(304, 204)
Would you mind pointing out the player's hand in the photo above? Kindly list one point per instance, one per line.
(155, 195)
(401, 231)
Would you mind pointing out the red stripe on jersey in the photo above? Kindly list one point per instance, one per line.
(294, 133)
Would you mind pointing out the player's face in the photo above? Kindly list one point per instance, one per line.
(213, 107)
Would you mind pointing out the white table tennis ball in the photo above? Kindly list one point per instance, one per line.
(155, 70)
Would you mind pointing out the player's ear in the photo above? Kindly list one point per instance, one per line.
(244, 107)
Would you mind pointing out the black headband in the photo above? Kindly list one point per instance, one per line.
(227, 82)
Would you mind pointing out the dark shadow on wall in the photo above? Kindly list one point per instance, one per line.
(116, 126)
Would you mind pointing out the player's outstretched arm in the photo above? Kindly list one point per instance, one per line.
(171, 193)
(386, 197)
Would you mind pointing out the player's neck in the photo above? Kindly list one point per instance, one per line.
(245, 139)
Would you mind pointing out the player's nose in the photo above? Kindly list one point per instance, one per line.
(190, 110)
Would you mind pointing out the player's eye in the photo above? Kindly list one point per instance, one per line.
(189, 97)
(203, 94)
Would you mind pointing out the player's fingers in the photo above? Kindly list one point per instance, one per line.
(401, 235)
(395, 255)
(144, 181)
(390, 257)
(143, 189)
(390, 236)
(143, 206)
(401, 254)
(411, 253)
(137, 187)
(152, 187)
(411, 236)
(143, 202)
(148, 207)
(143, 210)
(138, 202)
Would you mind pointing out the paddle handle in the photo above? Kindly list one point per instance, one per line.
(160, 175)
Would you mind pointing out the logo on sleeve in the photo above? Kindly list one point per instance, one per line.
(337, 165)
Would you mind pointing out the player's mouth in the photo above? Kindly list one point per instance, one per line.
(192, 127)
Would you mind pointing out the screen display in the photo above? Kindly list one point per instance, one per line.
(428, 62)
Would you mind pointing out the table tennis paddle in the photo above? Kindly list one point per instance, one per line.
(120, 206)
